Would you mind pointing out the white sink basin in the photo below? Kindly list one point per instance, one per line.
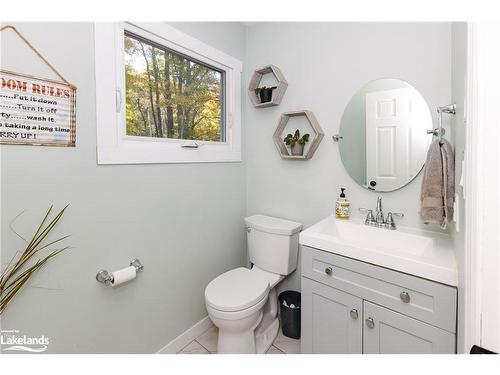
(417, 252)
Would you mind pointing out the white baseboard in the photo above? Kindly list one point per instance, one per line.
(177, 344)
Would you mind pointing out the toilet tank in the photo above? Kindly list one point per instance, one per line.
(273, 243)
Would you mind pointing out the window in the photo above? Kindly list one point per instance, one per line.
(165, 97)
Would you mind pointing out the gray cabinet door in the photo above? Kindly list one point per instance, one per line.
(388, 332)
(331, 320)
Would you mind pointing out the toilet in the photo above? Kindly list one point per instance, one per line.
(243, 302)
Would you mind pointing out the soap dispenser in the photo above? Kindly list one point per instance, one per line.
(342, 206)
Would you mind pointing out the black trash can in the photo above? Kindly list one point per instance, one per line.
(290, 316)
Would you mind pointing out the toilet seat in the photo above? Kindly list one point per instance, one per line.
(236, 290)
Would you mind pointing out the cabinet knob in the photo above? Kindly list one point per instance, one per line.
(405, 297)
(354, 314)
(370, 323)
(328, 270)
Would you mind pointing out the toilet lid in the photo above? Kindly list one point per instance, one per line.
(236, 290)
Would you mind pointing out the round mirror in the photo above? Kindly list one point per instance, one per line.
(383, 136)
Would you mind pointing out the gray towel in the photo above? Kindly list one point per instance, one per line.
(438, 184)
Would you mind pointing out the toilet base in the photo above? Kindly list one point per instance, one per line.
(239, 340)
(264, 340)
(267, 330)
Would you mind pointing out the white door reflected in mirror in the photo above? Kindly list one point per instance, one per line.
(384, 134)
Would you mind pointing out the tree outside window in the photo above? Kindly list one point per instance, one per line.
(171, 96)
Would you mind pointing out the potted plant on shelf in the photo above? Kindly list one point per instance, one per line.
(296, 142)
(265, 93)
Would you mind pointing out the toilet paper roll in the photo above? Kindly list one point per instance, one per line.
(123, 275)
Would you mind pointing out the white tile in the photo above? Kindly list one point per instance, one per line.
(209, 339)
(194, 348)
(274, 350)
(287, 344)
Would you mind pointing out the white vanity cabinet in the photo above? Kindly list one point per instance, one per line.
(349, 306)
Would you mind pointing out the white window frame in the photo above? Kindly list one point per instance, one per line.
(113, 145)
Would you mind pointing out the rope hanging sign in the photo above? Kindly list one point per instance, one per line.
(36, 111)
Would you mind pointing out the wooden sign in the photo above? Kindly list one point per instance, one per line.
(36, 111)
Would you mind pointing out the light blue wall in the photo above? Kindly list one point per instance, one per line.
(184, 222)
(325, 64)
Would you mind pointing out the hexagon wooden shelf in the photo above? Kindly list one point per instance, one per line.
(278, 134)
(277, 93)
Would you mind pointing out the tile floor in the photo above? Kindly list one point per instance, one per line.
(206, 343)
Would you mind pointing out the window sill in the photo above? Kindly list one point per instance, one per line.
(135, 155)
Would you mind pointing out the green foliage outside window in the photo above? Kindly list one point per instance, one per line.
(170, 96)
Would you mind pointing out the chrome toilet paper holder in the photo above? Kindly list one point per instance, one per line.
(106, 277)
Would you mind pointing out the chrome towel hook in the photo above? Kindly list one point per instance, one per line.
(450, 109)
(439, 131)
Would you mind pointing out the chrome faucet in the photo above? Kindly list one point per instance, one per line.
(379, 214)
(378, 220)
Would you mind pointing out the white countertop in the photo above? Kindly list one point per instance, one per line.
(425, 254)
